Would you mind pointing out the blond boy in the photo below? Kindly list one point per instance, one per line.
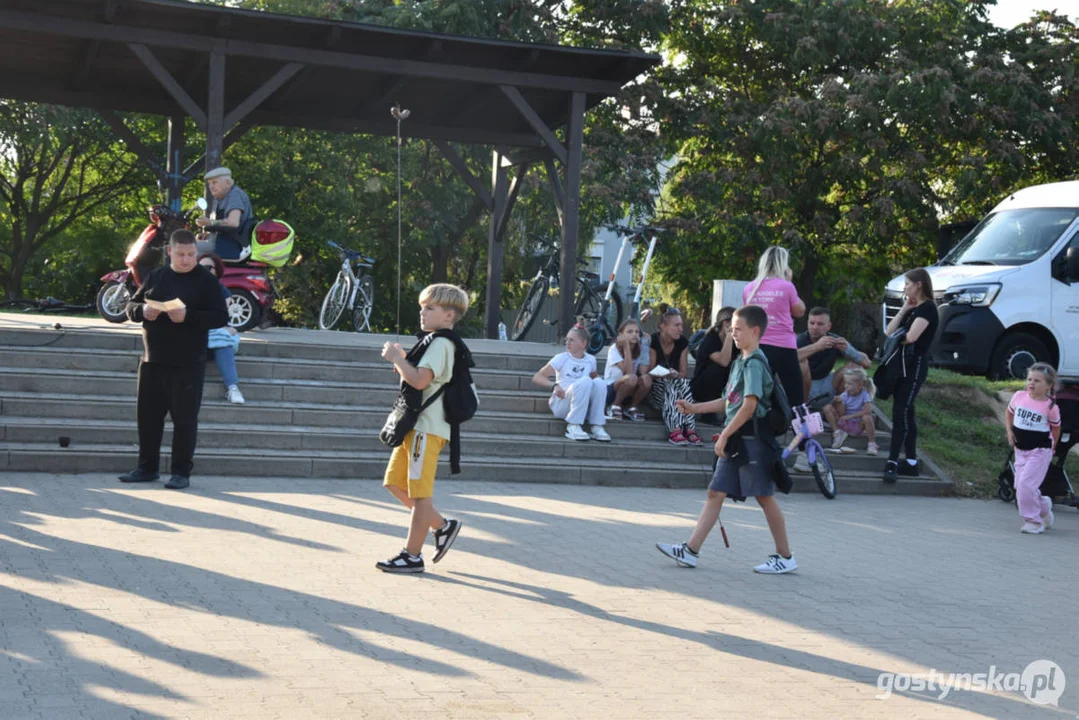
(410, 473)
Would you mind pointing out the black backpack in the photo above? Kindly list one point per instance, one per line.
(460, 398)
(779, 407)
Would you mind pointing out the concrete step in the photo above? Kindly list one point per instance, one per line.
(280, 343)
(118, 458)
(124, 364)
(213, 435)
(110, 409)
(260, 390)
(48, 457)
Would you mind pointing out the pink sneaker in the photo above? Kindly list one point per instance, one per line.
(677, 438)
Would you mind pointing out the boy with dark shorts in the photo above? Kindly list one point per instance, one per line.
(745, 459)
(410, 474)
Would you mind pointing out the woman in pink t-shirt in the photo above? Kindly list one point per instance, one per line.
(772, 290)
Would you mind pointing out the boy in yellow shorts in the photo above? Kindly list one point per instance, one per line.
(410, 474)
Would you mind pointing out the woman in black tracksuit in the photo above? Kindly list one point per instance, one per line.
(920, 319)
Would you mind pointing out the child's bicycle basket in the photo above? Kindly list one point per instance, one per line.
(813, 422)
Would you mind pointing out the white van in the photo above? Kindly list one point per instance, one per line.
(1008, 293)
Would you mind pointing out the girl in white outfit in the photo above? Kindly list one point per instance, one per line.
(578, 393)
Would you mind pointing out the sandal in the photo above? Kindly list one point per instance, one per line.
(616, 412)
(694, 438)
(635, 415)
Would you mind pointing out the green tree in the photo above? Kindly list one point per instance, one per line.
(847, 130)
(57, 167)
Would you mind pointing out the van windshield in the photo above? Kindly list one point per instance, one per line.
(1012, 237)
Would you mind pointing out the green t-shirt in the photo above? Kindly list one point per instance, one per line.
(748, 377)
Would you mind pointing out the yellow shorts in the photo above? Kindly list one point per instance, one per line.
(413, 464)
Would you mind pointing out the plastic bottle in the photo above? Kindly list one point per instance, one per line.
(502, 331)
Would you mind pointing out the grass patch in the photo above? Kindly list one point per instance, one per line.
(960, 428)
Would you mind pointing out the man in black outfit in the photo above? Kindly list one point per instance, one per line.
(174, 357)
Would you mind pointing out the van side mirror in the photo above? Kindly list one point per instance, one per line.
(1073, 264)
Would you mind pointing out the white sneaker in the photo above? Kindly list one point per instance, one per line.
(576, 432)
(1047, 518)
(776, 564)
(598, 433)
(801, 463)
(1032, 528)
(235, 396)
(838, 439)
(679, 553)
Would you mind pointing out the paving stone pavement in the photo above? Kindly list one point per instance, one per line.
(258, 598)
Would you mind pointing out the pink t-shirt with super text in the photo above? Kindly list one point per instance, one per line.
(777, 296)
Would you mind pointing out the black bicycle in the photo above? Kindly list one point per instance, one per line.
(587, 301)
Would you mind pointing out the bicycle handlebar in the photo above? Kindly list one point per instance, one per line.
(350, 253)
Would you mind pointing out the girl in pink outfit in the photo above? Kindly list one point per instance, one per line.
(772, 290)
(1033, 426)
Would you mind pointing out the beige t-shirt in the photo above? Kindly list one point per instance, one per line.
(439, 358)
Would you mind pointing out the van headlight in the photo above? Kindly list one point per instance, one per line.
(981, 295)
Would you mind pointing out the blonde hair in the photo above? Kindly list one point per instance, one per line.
(579, 332)
(446, 296)
(1050, 374)
(774, 262)
(863, 376)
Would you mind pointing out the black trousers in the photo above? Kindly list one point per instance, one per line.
(784, 362)
(904, 424)
(167, 390)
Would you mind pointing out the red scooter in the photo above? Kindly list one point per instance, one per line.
(252, 291)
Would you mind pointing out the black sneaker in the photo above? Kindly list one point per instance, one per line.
(402, 563)
(890, 471)
(138, 475)
(444, 538)
(908, 470)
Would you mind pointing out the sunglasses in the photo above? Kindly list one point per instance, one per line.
(671, 311)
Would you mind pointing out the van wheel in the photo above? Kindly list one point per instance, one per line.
(1016, 353)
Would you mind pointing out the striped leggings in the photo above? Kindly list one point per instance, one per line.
(664, 392)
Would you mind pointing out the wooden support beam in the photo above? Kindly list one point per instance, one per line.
(515, 189)
(234, 134)
(575, 140)
(215, 108)
(264, 91)
(134, 144)
(556, 190)
(174, 179)
(499, 190)
(535, 121)
(169, 83)
(86, 65)
(38, 23)
(459, 165)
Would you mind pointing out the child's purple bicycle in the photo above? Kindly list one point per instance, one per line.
(806, 424)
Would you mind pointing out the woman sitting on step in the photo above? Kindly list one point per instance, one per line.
(223, 342)
(670, 352)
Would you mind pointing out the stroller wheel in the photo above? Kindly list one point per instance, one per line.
(1005, 490)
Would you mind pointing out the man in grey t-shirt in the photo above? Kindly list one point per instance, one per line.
(818, 351)
(230, 214)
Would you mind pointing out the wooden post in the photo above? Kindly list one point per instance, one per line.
(499, 193)
(174, 180)
(572, 198)
(215, 108)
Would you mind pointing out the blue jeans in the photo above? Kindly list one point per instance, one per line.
(225, 357)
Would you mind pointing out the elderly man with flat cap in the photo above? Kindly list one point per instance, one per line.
(228, 218)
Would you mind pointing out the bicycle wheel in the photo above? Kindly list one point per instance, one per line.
(589, 304)
(530, 308)
(365, 303)
(822, 473)
(334, 304)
